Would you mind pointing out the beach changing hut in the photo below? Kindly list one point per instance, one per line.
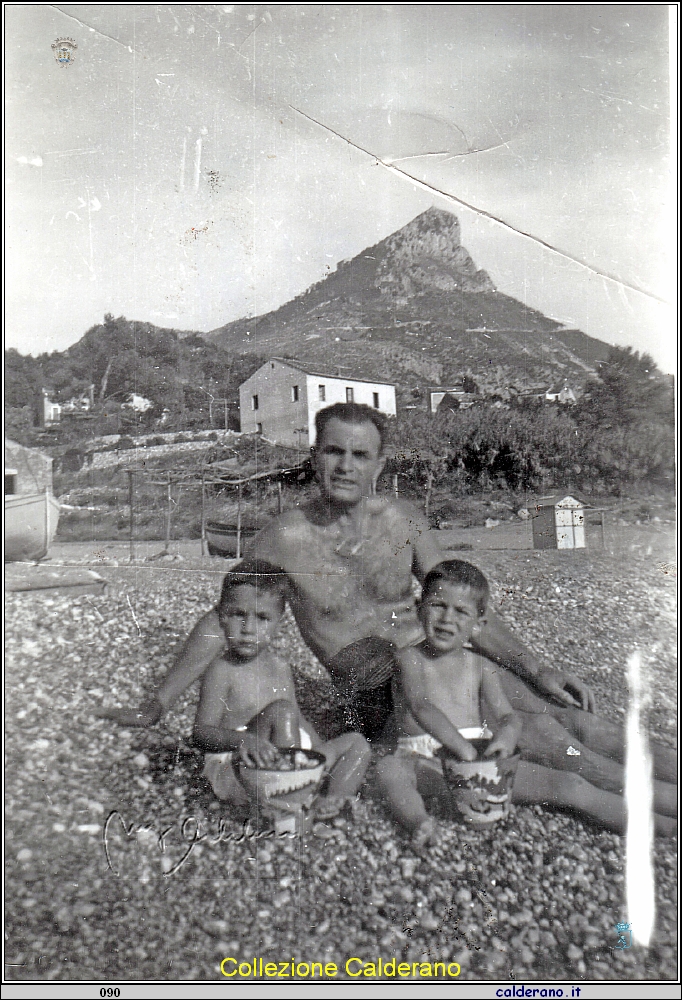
(558, 523)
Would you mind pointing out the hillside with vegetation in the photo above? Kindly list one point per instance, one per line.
(415, 310)
(180, 373)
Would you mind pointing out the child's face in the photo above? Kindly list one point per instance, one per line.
(449, 616)
(249, 620)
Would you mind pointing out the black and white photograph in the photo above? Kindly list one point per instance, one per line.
(340, 498)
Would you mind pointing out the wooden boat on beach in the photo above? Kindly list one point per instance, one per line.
(30, 525)
(222, 538)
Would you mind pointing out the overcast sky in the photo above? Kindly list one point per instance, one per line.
(169, 175)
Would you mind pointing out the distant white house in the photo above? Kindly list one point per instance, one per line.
(281, 399)
(455, 393)
(140, 404)
(49, 412)
(564, 395)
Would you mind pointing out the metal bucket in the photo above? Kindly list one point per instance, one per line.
(481, 789)
(284, 794)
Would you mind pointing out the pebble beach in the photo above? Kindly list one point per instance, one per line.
(122, 866)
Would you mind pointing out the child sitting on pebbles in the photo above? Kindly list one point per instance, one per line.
(248, 703)
(442, 688)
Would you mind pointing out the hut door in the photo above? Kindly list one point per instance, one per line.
(570, 528)
(579, 529)
(564, 528)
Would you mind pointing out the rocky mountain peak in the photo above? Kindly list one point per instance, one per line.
(427, 255)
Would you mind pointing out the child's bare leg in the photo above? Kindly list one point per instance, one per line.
(277, 723)
(537, 784)
(544, 740)
(348, 757)
(402, 782)
(224, 782)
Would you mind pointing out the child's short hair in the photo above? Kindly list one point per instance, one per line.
(254, 573)
(462, 574)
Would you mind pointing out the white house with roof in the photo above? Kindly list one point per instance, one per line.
(281, 399)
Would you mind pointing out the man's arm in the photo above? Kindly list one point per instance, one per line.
(428, 715)
(203, 644)
(509, 724)
(495, 640)
(498, 643)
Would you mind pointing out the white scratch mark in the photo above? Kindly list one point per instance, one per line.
(197, 164)
(639, 872)
(139, 630)
(95, 609)
(111, 38)
(182, 164)
(209, 25)
(447, 196)
(71, 152)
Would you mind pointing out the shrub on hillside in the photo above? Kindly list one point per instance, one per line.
(482, 447)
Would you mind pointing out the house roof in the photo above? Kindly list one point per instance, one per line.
(301, 366)
(558, 500)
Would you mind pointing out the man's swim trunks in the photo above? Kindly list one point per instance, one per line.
(362, 674)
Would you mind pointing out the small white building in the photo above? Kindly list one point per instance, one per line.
(281, 399)
(559, 523)
(436, 397)
(564, 395)
(49, 412)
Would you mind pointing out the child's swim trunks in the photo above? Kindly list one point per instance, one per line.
(425, 745)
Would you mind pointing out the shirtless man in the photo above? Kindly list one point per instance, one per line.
(350, 556)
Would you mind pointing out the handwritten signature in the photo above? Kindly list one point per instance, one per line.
(192, 834)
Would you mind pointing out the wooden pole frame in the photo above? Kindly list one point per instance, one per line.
(131, 496)
(169, 500)
(239, 522)
(203, 514)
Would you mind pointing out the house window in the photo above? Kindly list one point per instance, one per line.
(294, 394)
(349, 394)
(375, 400)
(323, 393)
(10, 484)
(254, 402)
(259, 428)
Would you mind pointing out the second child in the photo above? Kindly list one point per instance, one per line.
(443, 687)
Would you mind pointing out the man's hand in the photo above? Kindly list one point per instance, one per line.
(565, 688)
(256, 750)
(147, 715)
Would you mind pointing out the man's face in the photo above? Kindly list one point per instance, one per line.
(249, 620)
(348, 460)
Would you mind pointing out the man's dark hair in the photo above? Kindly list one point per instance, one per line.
(462, 574)
(254, 573)
(351, 413)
